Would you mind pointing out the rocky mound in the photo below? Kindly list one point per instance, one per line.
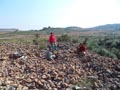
(31, 71)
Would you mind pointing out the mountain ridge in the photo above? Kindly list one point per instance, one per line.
(99, 27)
(106, 27)
(77, 28)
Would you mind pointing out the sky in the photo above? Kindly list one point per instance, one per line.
(36, 14)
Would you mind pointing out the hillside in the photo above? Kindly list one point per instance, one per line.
(67, 72)
(8, 29)
(61, 30)
(74, 28)
(58, 30)
(113, 27)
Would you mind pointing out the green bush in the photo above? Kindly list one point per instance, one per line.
(39, 41)
(114, 50)
(75, 40)
(37, 35)
(92, 45)
(85, 82)
(35, 41)
(105, 52)
(63, 38)
(42, 46)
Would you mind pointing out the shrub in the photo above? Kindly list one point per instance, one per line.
(105, 52)
(41, 46)
(63, 38)
(75, 40)
(35, 41)
(39, 41)
(37, 35)
(92, 45)
(85, 82)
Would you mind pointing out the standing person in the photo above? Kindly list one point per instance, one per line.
(53, 41)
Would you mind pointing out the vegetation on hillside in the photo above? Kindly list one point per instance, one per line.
(105, 43)
(106, 46)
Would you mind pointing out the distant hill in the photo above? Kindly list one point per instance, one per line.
(66, 28)
(58, 30)
(110, 27)
(107, 27)
(73, 28)
(63, 30)
(8, 29)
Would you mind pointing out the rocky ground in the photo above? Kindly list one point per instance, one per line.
(31, 71)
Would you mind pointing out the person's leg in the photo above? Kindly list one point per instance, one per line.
(52, 46)
(55, 46)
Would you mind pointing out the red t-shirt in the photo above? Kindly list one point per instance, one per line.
(83, 48)
(52, 38)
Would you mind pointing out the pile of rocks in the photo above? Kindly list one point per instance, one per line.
(31, 71)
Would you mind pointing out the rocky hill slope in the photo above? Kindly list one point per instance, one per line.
(68, 72)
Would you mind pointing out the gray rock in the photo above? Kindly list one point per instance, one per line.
(44, 76)
(10, 88)
(117, 68)
(93, 77)
(76, 87)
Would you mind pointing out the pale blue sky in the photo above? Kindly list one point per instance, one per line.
(36, 14)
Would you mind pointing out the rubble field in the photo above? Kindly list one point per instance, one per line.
(31, 71)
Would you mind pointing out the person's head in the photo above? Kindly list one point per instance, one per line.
(84, 43)
(51, 33)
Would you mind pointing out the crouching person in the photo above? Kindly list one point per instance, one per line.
(81, 49)
(49, 55)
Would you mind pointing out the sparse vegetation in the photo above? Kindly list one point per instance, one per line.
(106, 46)
(86, 82)
(35, 40)
(75, 40)
(103, 43)
(64, 38)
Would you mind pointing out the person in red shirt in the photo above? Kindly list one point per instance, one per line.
(53, 41)
(81, 49)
